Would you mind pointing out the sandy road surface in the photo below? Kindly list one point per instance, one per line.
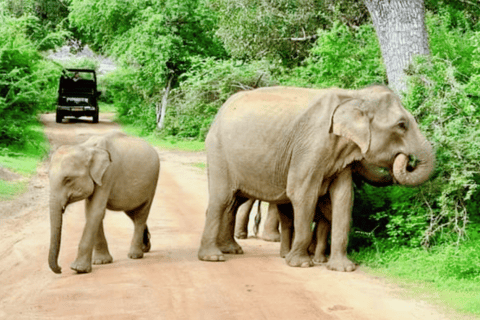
(169, 282)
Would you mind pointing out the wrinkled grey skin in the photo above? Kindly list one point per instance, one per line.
(111, 171)
(292, 146)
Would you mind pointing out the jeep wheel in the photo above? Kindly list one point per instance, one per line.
(59, 117)
(95, 117)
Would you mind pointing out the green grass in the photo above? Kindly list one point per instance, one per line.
(166, 143)
(106, 107)
(446, 275)
(201, 165)
(23, 161)
(9, 190)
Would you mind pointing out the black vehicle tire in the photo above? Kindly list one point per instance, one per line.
(95, 117)
(59, 117)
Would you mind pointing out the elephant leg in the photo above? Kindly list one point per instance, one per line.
(241, 221)
(324, 217)
(95, 212)
(304, 212)
(220, 197)
(146, 240)
(285, 213)
(226, 241)
(341, 197)
(270, 230)
(101, 255)
(323, 228)
(140, 241)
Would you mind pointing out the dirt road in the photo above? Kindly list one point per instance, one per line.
(169, 282)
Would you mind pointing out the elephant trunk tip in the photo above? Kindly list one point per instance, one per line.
(405, 174)
(56, 269)
(54, 266)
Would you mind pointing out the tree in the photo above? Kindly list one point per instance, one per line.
(402, 34)
(275, 29)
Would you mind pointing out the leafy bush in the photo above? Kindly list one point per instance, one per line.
(444, 98)
(154, 42)
(341, 57)
(205, 88)
(439, 210)
(255, 29)
(280, 30)
(28, 83)
(451, 118)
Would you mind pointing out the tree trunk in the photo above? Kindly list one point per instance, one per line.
(162, 108)
(401, 32)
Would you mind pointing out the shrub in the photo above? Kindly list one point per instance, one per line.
(205, 88)
(342, 57)
(28, 83)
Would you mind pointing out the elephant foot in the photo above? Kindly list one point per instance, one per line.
(241, 235)
(271, 236)
(146, 244)
(231, 248)
(342, 264)
(146, 247)
(135, 254)
(302, 261)
(81, 267)
(101, 258)
(284, 252)
(320, 259)
(210, 254)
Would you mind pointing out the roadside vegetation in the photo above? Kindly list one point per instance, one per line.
(205, 51)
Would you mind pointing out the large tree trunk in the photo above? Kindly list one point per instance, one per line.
(401, 32)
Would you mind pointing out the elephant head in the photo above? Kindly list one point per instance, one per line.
(387, 134)
(75, 172)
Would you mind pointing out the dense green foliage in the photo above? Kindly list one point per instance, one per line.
(444, 97)
(28, 82)
(341, 57)
(206, 86)
(154, 41)
(284, 30)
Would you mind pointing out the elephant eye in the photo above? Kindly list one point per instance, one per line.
(402, 124)
(67, 180)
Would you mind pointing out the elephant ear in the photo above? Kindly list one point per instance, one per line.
(99, 163)
(351, 122)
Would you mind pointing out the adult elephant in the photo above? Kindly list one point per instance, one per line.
(111, 171)
(294, 145)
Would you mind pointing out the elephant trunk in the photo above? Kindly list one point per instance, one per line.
(372, 174)
(414, 176)
(56, 216)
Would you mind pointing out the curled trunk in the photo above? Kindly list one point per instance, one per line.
(414, 176)
(373, 175)
(56, 215)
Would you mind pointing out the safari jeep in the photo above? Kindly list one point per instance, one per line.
(77, 94)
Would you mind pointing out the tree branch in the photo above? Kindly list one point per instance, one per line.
(162, 108)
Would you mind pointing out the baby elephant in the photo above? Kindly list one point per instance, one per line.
(111, 171)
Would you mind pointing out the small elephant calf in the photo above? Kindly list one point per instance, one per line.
(111, 171)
